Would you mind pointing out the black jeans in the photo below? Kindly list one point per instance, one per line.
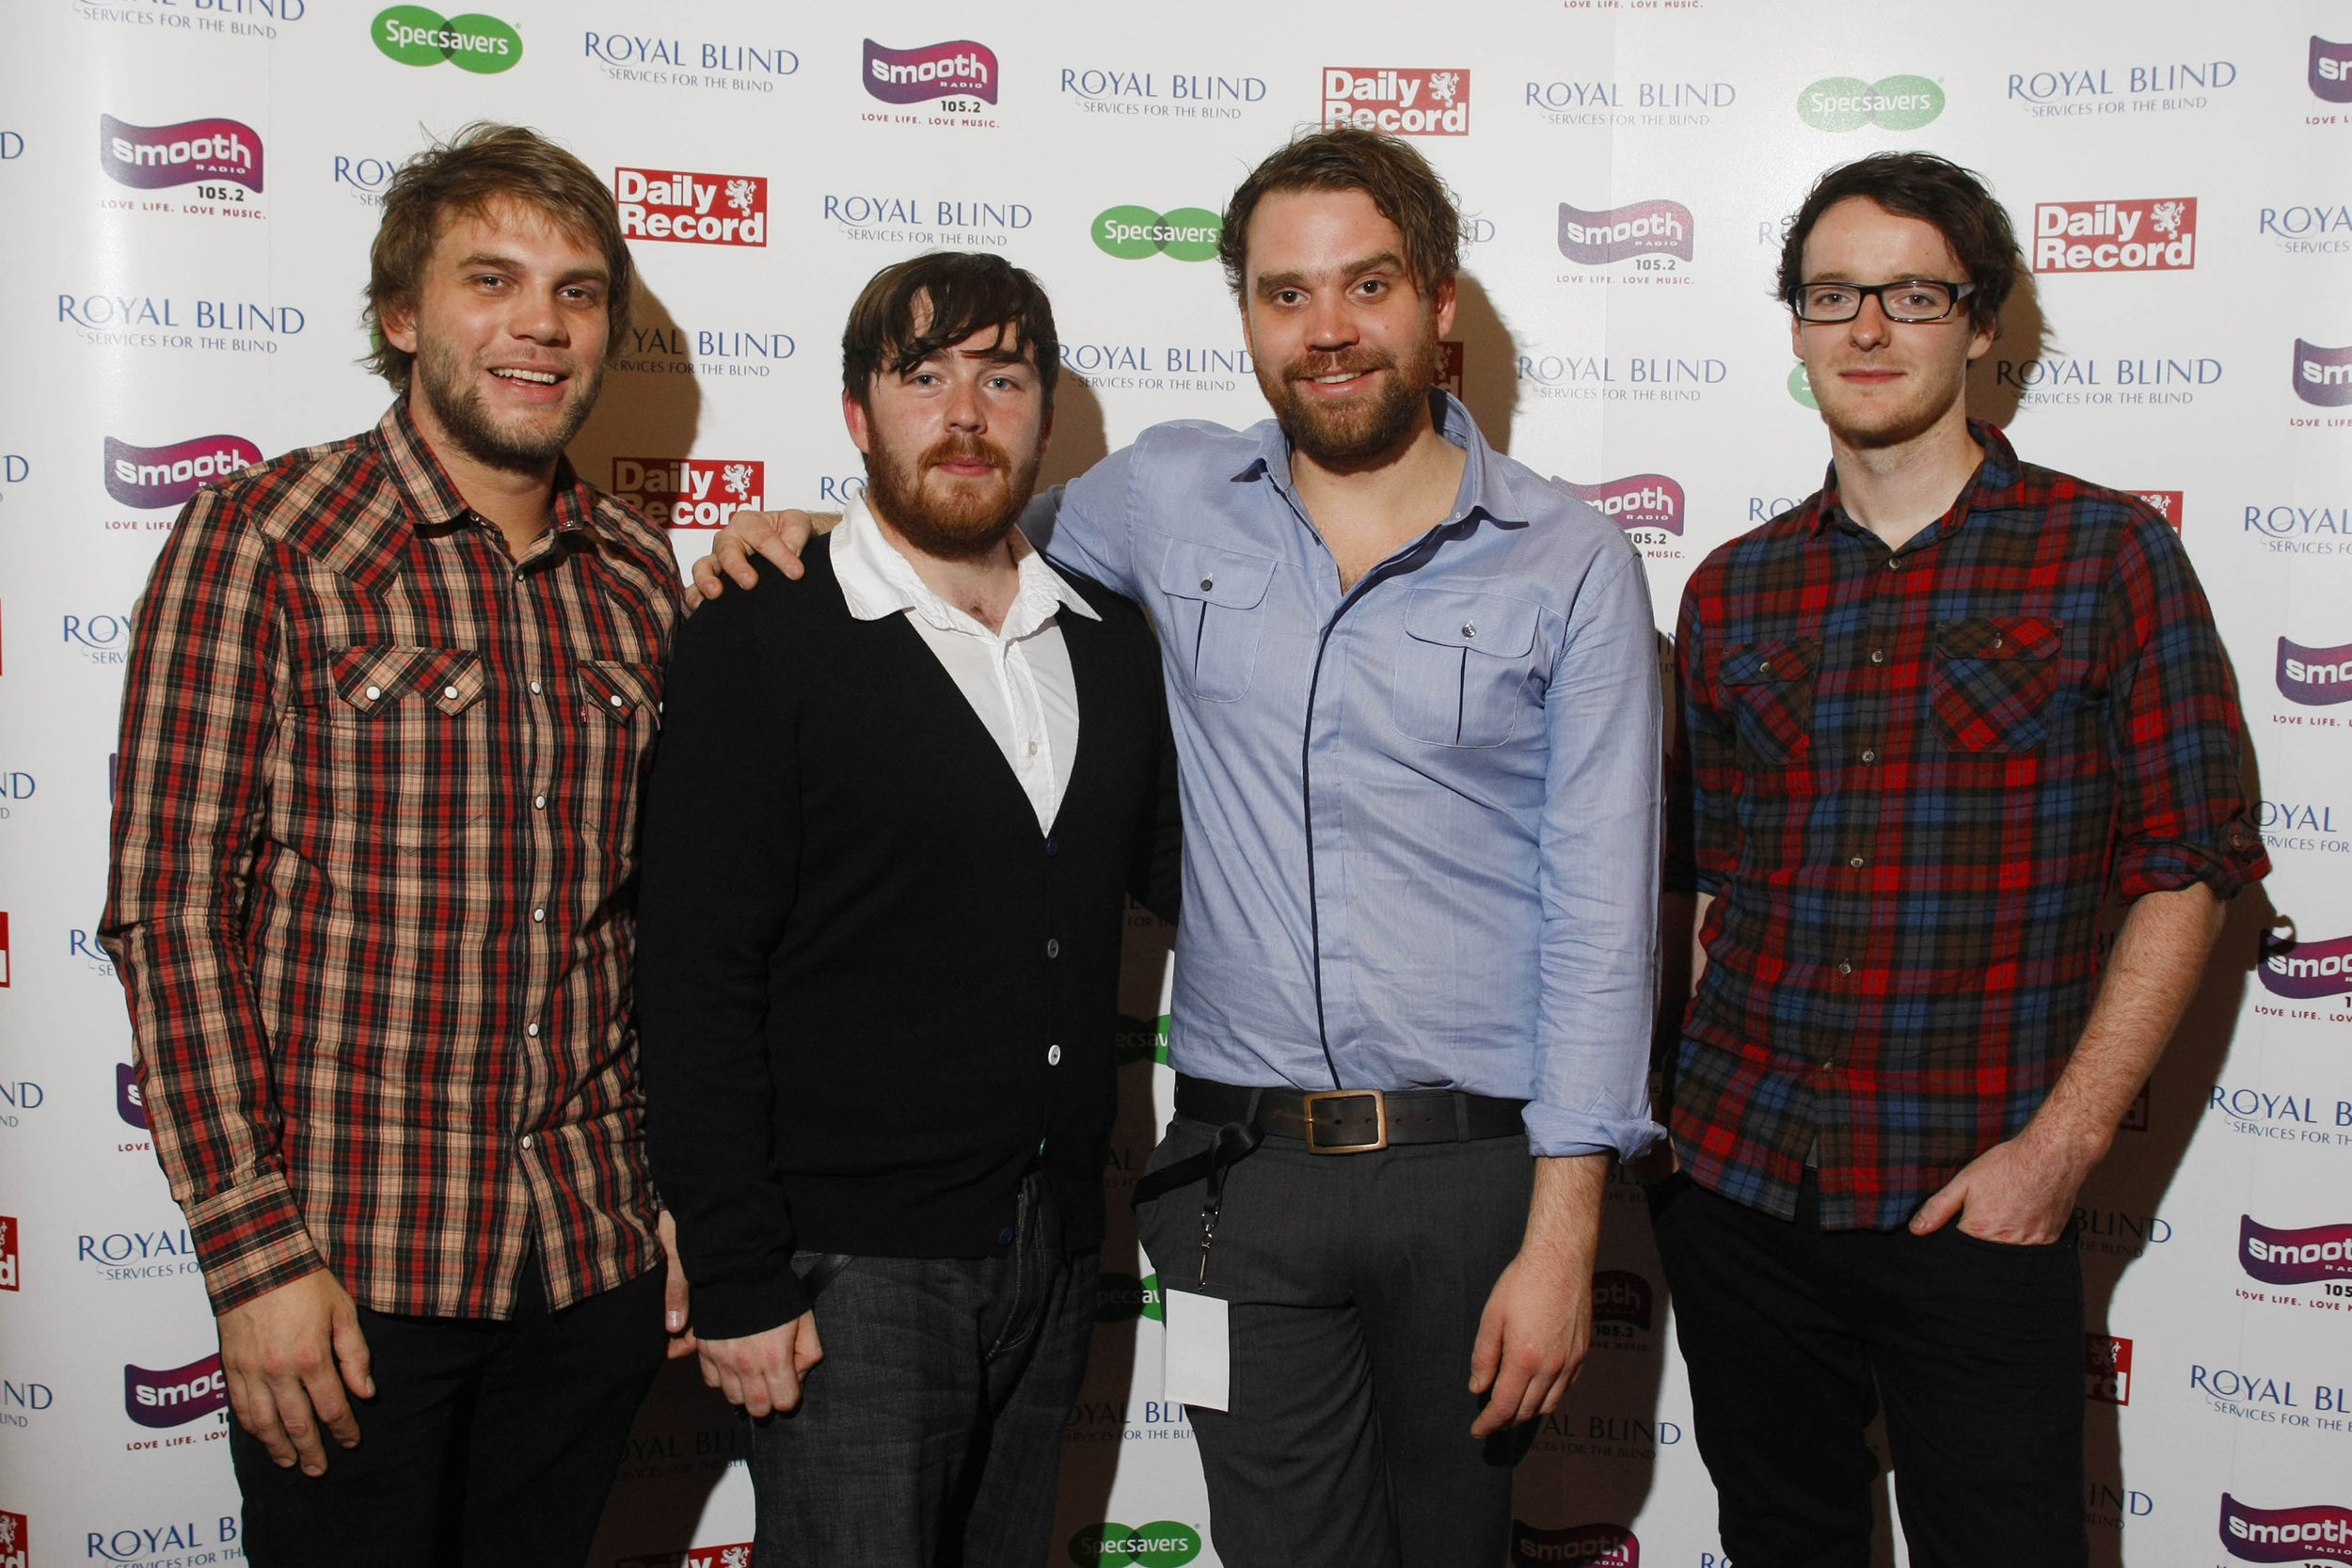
(487, 1443)
(1356, 1283)
(931, 1433)
(1794, 1335)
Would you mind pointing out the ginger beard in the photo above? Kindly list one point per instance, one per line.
(1344, 433)
(948, 517)
(524, 444)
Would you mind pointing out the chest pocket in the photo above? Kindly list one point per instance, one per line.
(1771, 688)
(1992, 683)
(1216, 614)
(1463, 674)
(408, 742)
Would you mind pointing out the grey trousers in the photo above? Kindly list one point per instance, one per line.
(1356, 1283)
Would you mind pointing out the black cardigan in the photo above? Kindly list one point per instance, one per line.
(855, 950)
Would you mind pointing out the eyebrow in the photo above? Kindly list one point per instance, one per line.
(508, 263)
(1387, 260)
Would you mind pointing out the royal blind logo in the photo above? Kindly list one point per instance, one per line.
(2106, 1370)
(129, 1103)
(2303, 970)
(1400, 100)
(734, 1555)
(692, 208)
(1638, 228)
(2316, 677)
(415, 36)
(1163, 1544)
(689, 492)
(1848, 103)
(149, 157)
(1636, 500)
(175, 1398)
(151, 477)
(2321, 1532)
(950, 70)
(2331, 71)
(2306, 1257)
(2323, 375)
(2166, 502)
(1593, 1545)
(9, 1278)
(2152, 234)
(15, 1541)
(1133, 233)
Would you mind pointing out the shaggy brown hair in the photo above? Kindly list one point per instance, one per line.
(1399, 182)
(1935, 191)
(965, 292)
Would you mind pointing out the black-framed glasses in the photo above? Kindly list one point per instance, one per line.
(1911, 299)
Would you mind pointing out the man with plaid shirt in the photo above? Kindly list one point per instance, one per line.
(1932, 718)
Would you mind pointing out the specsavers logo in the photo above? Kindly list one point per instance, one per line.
(415, 36)
(1182, 234)
(691, 209)
(2146, 235)
(1164, 1543)
(149, 157)
(1403, 102)
(1848, 103)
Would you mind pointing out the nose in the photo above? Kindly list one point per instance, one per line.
(962, 411)
(1870, 325)
(1330, 325)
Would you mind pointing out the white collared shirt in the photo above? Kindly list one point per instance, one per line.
(1018, 680)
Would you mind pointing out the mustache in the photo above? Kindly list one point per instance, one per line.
(1315, 365)
(964, 448)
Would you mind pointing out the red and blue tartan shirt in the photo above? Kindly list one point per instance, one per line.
(374, 843)
(1910, 778)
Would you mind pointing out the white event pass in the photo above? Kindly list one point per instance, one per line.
(1199, 1368)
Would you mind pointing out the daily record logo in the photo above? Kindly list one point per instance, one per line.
(695, 209)
(2152, 234)
(689, 492)
(2331, 71)
(1182, 234)
(2303, 970)
(1402, 100)
(1636, 500)
(736, 1555)
(2323, 375)
(1162, 1543)
(150, 157)
(415, 36)
(2106, 1370)
(2315, 677)
(949, 70)
(176, 1397)
(1593, 1545)
(2168, 504)
(15, 1541)
(2320, 1532)
(1638, 228)
(10, 1278)
(2319, 1252)
(1848, 103)
(169, 475)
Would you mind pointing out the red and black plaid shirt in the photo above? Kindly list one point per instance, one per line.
(1910, 778)
(370, 899)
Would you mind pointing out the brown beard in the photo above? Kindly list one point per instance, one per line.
(1363, 435)
(443, 380)
(970, 522)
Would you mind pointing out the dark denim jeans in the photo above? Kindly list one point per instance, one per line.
(931, 1433)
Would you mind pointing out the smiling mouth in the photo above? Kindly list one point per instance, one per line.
(528, 378)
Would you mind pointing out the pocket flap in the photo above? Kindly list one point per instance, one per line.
(1458, 618)
(1761, 663)
(620, 691)
(372, 678)
(1223, 577)
(2024, 637)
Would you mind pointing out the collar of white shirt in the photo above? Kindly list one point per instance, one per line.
(877, 580)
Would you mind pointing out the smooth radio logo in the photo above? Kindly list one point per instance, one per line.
(949, 70)
(1638, 228)
(1848, 103)
(130, 1104)
(2323, 375)
(2320, 1532)
(2319, 1252)
(169, 475)
(2152, 234)
(176, 1397)
(1623, 1304)
(2331, 71)
(2302, 971)
(1400, 100)
(2316, 677)
(1593, 1545)
(2106, 1370)
(150, 157)
(689, 492)
(692, 208)
(1636, 500)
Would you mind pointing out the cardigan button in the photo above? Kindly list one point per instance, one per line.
(1053, 847)
(1053, 1056)
(1053, 947)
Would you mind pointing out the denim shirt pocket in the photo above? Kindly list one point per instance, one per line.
(1464, 673)
(1217, 612)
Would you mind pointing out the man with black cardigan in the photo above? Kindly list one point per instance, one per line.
(877, 1029)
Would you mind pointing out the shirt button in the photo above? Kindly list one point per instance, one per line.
(531, 1029)
(1207, 583)
(1856, 861)
(1844, 968)
(1053, 1056)
(535, 689)
(1893, 565)
(451, 692)
(373, 692)
(1004, 1237)
(1053, 947)
(617, 701)
(539, 802)
(539, 915)
(1877, 655)
(518, 577)
(1032, 748)
(1470, 628)
(1869, 756)
(526, 1140)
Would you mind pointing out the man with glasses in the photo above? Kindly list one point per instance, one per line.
(1934, 717)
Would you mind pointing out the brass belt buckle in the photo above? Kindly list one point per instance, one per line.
(1379, 1121)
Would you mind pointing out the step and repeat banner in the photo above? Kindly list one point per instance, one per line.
(191, 186)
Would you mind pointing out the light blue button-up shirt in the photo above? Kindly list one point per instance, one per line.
(1420, 817)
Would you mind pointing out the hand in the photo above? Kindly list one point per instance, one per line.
(778, 535)
(675, 1314)
(287, 1356)
(763, 1371)
(2020, 1192)
(1532, 1338)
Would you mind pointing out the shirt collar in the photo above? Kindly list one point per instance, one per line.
(878, 581)
(432, 501)
(1480, 496)
(1995, 472)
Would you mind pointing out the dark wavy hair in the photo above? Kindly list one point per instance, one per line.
(1935, 191)
(965, 292)
(1392, 173)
